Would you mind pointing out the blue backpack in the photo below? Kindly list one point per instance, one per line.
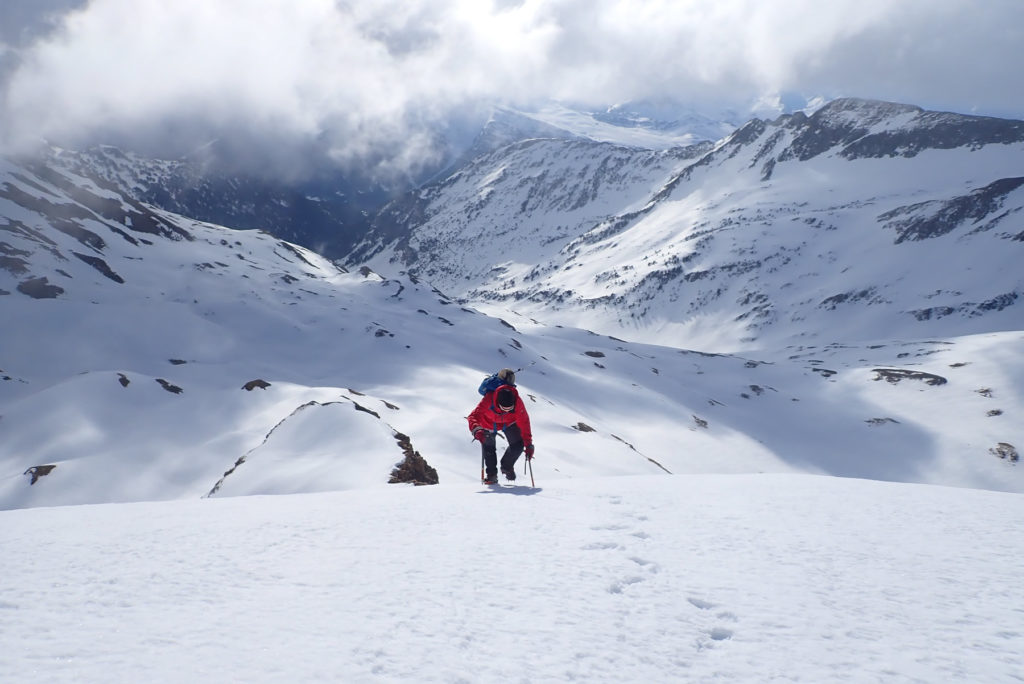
(492, 382)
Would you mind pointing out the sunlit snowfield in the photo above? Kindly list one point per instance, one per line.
(687, 578)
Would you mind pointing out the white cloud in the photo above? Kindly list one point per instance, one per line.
(359, 72)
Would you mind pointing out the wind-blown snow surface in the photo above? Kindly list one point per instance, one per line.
(742, 578)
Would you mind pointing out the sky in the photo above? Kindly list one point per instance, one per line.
(374, 82)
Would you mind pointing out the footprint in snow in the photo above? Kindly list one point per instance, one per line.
(650, 566)
(717, 633)
(619, 586)
(700, 603)
(720, 633)
(600, 546)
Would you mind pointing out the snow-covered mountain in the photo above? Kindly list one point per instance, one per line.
(866, 220)
(151, 360)
(327, 211)
(151, 356)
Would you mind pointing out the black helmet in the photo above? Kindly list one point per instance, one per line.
(505, 399)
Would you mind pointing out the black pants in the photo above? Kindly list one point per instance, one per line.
(512, 451)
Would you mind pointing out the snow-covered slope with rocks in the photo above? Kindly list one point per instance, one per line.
(149, 356)
(175, 371)
(864, 221)
(516, 205)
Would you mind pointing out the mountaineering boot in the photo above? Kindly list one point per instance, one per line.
(492, 478)
(509, 474)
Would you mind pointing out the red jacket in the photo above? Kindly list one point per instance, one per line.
(488, 416)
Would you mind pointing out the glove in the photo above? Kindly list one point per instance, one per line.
(529, 452)
(480, 435)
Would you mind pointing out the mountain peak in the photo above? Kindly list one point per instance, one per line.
(862, 111)
(858, 128)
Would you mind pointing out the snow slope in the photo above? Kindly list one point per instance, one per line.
(129, 378)
(730, 578)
